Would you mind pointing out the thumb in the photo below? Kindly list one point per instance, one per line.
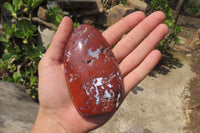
(56, 50)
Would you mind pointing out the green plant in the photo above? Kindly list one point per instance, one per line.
(25, 6)
(123, 2)
(54, 15)
(162, 5)
(31, 4)
(14, 7)
(21, 53)
(76, 25)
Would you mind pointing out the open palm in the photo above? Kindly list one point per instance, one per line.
(135, 55)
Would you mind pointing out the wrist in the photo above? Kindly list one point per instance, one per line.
(45, 124)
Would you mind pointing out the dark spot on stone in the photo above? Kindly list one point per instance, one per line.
(89, 62)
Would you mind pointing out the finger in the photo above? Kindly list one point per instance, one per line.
(147, 45)
(138, 74)
(135, 36)
(114, 33)
(56, 50)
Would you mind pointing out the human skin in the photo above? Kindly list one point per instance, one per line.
(135, 55)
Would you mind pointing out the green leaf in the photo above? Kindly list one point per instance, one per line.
(20, 34)
(13, 27)
(7, 57)
(177, 40)
(25, 29)
(32, 52)
(16, 77)
(36, 3)
(9, 30)
(12, 50)
(27, 2)
(25, 41)
(12, 8)
(1, 64)
(33, 79)
(177, 29)
(32, 4)
(14, 15)
(25, 9)
(19, 57)
(3, 39)
(9, 79)
(76, 25)
(12, 67)
(17, 4)
(8, 6)
(58, 19)
(123, 2)
(54, 15)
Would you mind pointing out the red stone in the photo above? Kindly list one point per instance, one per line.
(91, 72)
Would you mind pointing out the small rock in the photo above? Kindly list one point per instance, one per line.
(42, 13)
(188, 55)
(45, 35)
(118, 12)
(140, 5)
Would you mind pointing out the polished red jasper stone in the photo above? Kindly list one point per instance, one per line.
(91, 72)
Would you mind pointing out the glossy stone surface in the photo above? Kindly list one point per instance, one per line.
(91, 72)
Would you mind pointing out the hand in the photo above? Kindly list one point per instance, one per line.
(136, 57)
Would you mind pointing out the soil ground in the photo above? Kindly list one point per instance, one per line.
(189, 30)
(194, 86)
